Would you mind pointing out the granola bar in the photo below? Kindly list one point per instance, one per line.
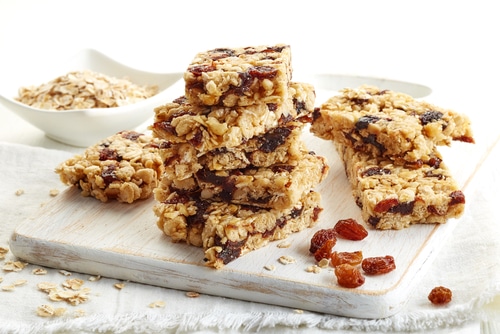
(277, 146)
(393, 196)
(387, 123)
(239, 76)
(227, 231)
(125, 166)
(278, 186)
(208, 128)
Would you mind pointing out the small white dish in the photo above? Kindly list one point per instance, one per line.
(85, 127)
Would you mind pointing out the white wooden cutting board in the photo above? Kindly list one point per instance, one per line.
(122, 241)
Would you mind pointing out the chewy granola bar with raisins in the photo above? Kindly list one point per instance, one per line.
(208, 128)
(393, 197)
(277, 146)
(389, 124)
(239, 76)
(228, 231)
(278, 186)
(125, 166)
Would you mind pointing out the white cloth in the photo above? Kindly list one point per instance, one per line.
(468, 264)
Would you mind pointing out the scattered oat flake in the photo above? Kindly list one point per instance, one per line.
(72, 297)
(19, 192)
(285, 259)
(48, 311)
(39, 271)
(14, 266)
(73, 283)
(269, 267)
(1, 279)
(20, 282)
(8, 287)
(119, 286)
(94, 278)
(47, 286)
(192, 294)
(313, 269)
(298, 311)
(64, 272)
(323, 263)
(284, 244)
(53, 192)
(157, 304)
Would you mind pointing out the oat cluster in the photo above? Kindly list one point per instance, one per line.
(84, 90)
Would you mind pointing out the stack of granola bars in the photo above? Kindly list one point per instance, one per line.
(237, 174)
(388, 142)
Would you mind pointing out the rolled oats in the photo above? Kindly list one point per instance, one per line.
(15, 266)
(84, 90)
(48, 311)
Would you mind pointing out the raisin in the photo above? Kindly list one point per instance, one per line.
(108, 154)
(262, 72)
(457, 197)
(131, 135)
(440, 295)
(386, 204)
(364, 121)
(352, 258)
(325, 251)
(109, 174)
(197, 70)
(378, 265)
(350, 229)
(375, 171)
(320, 237)
(349, 276)
(430, 116)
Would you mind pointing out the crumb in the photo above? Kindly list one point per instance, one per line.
(286, 259)
(192, 294)
(53, 192)
(157, 304)
(119, 286)
(64, 272)
(19, 192)
(284, 244)
(270, 267)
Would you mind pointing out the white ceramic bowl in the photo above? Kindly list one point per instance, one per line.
(87, 126)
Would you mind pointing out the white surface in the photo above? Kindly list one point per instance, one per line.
(448, 45)
(83, 127)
